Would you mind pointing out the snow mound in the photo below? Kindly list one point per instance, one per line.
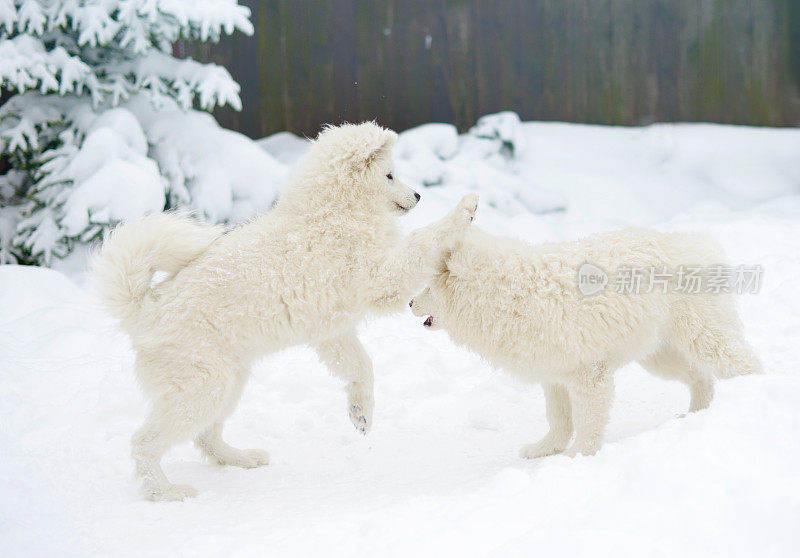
(40, 309)
(137, 189)
(420, 153)
(485, 160)
(114, 180)
(577, 179)
(615, 175)
(504, 128)
(286, 147)
(27, 289)
(221, 173)
(439, 139)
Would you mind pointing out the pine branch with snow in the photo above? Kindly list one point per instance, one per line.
(92, 79)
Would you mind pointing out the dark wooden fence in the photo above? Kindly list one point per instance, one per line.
(404, 62)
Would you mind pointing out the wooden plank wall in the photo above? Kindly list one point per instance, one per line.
(405, 62)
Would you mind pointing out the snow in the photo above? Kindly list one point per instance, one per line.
(25, 63)
(221, 173)
(483, 159)
(114, 179)
(119, 163)
(439, 472)
(504, 127)
(440, 139)
(286, 147)
(69, 59)
(421, 152)
(137, 189)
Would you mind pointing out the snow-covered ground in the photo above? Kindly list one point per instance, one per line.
(439, 473)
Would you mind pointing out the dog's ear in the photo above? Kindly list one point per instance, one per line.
(376, 140)
(357, 144)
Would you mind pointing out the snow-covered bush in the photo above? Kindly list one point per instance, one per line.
(223, 174)
(102, 128)
(493, 158)
(503, 129)
(422, 152)
(487, 159)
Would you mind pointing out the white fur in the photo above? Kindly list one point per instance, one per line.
(308, 272)
(519, 307)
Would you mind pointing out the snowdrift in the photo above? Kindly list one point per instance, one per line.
(439, 473)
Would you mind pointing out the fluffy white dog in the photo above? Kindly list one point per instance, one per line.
(307, 272)
(519, 306)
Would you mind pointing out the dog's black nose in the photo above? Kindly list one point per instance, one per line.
(410, 303)
(416, 195)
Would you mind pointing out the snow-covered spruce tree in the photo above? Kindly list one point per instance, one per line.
(100, 127)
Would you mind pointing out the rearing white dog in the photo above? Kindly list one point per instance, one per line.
(308, 272)
(520, 307)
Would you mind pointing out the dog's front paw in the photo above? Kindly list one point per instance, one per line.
(465, 211)
(463, 214)
(453, 226)
(359, 407)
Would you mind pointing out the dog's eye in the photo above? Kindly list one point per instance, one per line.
(389, 176)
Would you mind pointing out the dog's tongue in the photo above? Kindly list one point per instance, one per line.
(428, 321)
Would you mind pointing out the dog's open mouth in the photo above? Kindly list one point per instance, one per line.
(428, 321)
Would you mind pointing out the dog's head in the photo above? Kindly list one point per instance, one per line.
(361, 157)
(425, 304)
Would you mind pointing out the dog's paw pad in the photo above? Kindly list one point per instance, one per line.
(469, 204)
(358, 419)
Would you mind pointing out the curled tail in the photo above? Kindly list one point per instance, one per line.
(123, 269)
(740, 360)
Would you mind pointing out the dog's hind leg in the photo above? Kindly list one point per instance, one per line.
(346, 358)
(559, 418)
(591, 393)
(148, 445)
(211, 444)
(186, 402)
(671, 364)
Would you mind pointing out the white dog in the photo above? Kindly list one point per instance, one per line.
(520, 307)
(307, 272)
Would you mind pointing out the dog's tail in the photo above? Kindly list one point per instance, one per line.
(122, 271)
